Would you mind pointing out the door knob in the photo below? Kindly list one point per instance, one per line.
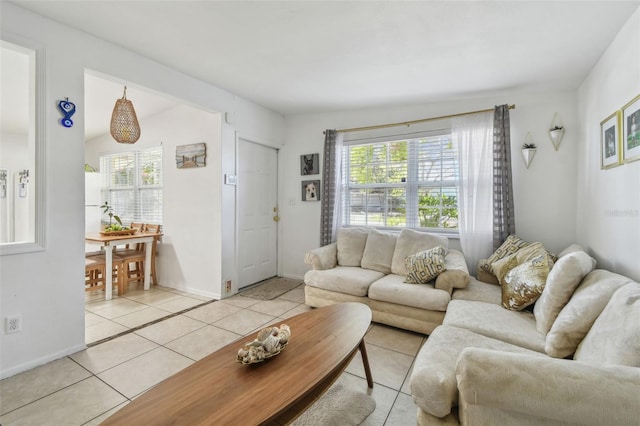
(276, 218)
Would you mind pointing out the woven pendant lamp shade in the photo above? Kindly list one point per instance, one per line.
(124, 122)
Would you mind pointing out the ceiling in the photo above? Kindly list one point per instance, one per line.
(313, 56)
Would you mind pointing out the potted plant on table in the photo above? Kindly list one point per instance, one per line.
(114, 228)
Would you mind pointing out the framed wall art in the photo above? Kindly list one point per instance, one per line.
(631, 131)
(188, 156)
(311, 190)
(610, 141)
(309, 164)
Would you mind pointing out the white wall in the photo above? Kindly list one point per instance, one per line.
(186, 258)
(608, 220)
(544, 193)
(46, 287)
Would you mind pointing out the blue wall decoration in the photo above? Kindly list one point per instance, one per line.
(67, 109)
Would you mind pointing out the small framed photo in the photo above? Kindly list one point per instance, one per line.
(188, 156)
(311, 190)
(631, 131)
(309, 164)
(610, 141)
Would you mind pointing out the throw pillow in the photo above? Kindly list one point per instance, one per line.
(563, 279)
(411, 242)
(425, 266)
(504, 265)
(351, 242)
(614, 337)
(378, 252)
(523, 284)
(511, 245)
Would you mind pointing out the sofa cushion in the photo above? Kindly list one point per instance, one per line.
(479, 291)
(563, 279)
(614, 337)
(343, 279)
(425, 266)
(523, 284)
(571, 249)
(393, 289)
(351, 242)
(578, 315)
(411, 242)
(378, 251)
(433, 380)
(491, 320)
(512, 244)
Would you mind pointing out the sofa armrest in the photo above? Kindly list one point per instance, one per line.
(457, 273)
(554, 390)
(325, 257)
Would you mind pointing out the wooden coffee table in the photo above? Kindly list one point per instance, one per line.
(219, 390)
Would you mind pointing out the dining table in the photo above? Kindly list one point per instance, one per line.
(109, 241)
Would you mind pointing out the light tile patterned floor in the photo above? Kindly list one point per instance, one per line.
(88, 386)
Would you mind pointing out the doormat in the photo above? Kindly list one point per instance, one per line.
(339, 406)
(271, 288)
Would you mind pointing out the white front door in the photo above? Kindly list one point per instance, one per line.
(257, 212)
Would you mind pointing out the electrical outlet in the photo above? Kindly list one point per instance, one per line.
(12, 324)
(228, 286)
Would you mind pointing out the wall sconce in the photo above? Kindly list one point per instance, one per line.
(3, 184)
(124, 121)
(22, 183)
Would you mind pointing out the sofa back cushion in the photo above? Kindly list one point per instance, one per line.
(615, 336)
(578, 315)
(351, 242)
(411, 242)
(562, 281)
(378, 251)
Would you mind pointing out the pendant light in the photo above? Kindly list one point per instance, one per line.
(124, 122)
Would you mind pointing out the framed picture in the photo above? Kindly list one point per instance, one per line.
(309, 164)
(631, 131)
(311, 190)
(610, 141)
(194, 155)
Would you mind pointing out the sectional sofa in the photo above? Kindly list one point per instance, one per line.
(573, 357)
(368, 266)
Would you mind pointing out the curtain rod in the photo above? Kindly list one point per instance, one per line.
(422, 120)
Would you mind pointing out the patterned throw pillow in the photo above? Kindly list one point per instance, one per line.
(425, 266)
(512, 244)
(523, 284)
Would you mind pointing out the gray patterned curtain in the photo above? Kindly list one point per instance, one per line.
(503, 215)
(330, 205)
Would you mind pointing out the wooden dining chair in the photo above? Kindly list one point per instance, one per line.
(156, 229)
(95, 274)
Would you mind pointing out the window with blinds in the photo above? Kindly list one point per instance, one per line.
(132, 184)
(410, 183)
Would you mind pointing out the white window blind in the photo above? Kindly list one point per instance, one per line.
(409, 183)
(132, 184)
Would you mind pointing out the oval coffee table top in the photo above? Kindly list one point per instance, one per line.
(219, 390)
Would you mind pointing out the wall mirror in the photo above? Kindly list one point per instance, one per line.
(21, 148)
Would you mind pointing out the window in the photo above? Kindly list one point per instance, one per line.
(132, 184)
(410, 183)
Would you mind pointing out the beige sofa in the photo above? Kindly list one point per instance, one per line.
(573, 359)
(368, 266)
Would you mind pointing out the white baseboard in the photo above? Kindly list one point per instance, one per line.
(293, 277)
(40, 361)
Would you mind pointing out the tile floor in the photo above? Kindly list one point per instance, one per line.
(136, 307)
(88, 386)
